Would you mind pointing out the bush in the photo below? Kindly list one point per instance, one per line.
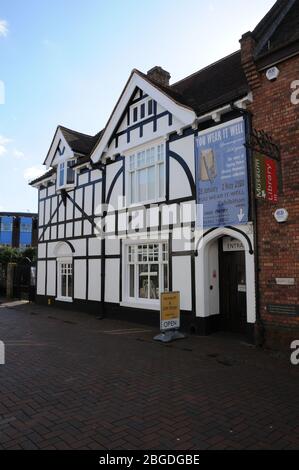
(15, 255)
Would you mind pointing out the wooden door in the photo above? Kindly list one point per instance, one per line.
(232, 285)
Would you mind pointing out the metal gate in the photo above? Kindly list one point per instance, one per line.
(24, 281)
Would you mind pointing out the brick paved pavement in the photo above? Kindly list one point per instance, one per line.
(74, 382)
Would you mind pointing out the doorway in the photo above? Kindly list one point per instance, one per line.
(232, 285)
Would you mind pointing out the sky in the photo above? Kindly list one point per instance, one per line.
(67, 61)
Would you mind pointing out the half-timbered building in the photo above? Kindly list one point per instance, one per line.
(118, 215)
(180, 192)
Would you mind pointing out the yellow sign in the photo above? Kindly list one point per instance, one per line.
(169, 310)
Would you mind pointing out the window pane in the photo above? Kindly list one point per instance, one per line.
(151, 183)
(131, 254)
(150, 156)
(143, 281)
(152, 253)
(70, 286)
(150, 107)
(142, 185)
(140, 159)
(63, 285)
(161, 180)
(142, 111)
(160, 152)
(25, 228)
(132, 280)
(133, 188)
(165, 277)
(70, 177)
(135, 114)
(154, 281)
(144, 253)
(132, 162)
(165, 251)
(156, 252)
(61, 174)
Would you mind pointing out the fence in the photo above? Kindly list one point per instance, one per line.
(18, 281)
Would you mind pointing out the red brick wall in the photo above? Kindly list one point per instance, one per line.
(278, 244)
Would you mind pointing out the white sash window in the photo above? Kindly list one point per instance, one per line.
(147, 271)
(147, 175)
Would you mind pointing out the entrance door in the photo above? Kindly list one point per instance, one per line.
(232, 285)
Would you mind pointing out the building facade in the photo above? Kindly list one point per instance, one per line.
(18, 230)
(270, 58)
(163, 199)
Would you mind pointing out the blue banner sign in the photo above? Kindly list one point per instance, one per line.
(221, 175)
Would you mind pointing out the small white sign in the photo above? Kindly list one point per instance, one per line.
(169, 324)
(285, 281)
(232, 244)
(241, 287)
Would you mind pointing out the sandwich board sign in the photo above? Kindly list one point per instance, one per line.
(170, 314)
(169, 311)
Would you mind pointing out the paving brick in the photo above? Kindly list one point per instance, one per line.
(86, 389)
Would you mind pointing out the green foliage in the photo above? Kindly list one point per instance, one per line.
(15, 255)
(29, 254)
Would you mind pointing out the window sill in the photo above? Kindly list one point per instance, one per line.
(64, 299)
(66, 188)
(151, 305)
(139, 205)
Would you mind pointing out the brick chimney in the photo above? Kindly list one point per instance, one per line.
(159, 75)
(247, 58)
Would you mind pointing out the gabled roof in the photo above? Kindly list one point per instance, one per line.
(166, 98)
(43, 177)
(277, 34)
(215, 85)
(79, 142)
(210, 87)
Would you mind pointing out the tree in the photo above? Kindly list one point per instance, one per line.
(15, 255)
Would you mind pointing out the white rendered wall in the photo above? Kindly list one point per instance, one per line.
(94, 280)
(79, 279)
(41, 273)
(51, 278)
(112, 281)
(181, 280)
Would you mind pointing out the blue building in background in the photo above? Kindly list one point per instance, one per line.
(18, 230)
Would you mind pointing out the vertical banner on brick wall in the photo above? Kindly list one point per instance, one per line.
(266, 179)
(221, 174)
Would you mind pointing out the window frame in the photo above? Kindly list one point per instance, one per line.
(4, 227)
(60, 262)
(64, 164)
(150, 105)
(133, 193)
(163, 260)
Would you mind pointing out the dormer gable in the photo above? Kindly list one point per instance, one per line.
(59, 150)
(142, 102)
